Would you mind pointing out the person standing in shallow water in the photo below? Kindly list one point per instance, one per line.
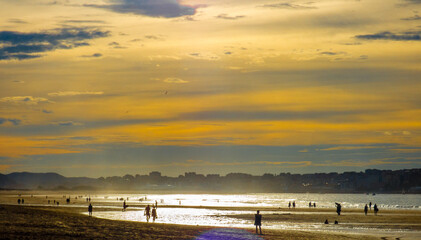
(147, 213)
(258, 221)
(338, 208)
(154, 215)
(90, 210)
(375, 209)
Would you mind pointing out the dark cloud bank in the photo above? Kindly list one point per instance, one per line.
(20, 45)
(404, 36)
(12, 120)
(152, 8)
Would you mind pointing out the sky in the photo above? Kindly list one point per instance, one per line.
(114, 87)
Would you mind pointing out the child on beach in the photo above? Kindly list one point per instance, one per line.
(258, 221)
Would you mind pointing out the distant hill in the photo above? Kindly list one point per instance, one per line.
(27, 180)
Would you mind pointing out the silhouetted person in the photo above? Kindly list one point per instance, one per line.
(258, 221)
(366, 209)
(375, 209)
(326, 221)
(309, 204)
(293, 204)
(124, 205)
(370, 205)
(289, 204)
(336, 222)
(19, 201)
(314, 204)
(147, 213)
(23, 201)
(90, 209)
(68, 200)
(338, 208)
(154, 215)
(58, 203)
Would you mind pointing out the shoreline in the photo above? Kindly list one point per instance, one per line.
(278, 223)
(30, 222)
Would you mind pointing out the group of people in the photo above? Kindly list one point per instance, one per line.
(148, 212)
(293, 204)
(375, 208)
(21, 201)
(312, 205)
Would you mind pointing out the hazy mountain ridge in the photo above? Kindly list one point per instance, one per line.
(372, 180)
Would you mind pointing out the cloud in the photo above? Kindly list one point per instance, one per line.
(68, 123)
(329, 116)
(154, 37)
(24, 100)
(413, 18)
(404, 36)
(14, 121)
(17, 20)
(331, 53)
(341, 148)
(21, 45)
(47, 111)
(413, 1)
(151, 8)
(227, 17)
(204, 56)
(73, 93)
(84, 21)
(175, 80)
(286, 5)
(95, 55)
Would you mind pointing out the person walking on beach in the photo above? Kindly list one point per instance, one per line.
(366, 209)
(90, 210)
(314, 204)
(147, 213)
(375, 209)
(289, 204)
(19, 201)
(338, 208)
(309, 204)
(293, 204)
(154, 215)
(258, 221)
(370, 205)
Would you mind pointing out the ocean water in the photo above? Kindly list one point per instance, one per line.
(276, 200)
(191, 215)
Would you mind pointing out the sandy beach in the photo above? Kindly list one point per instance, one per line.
(33, 221)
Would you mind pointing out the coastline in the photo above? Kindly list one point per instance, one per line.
(37, 220)
(28, 222)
